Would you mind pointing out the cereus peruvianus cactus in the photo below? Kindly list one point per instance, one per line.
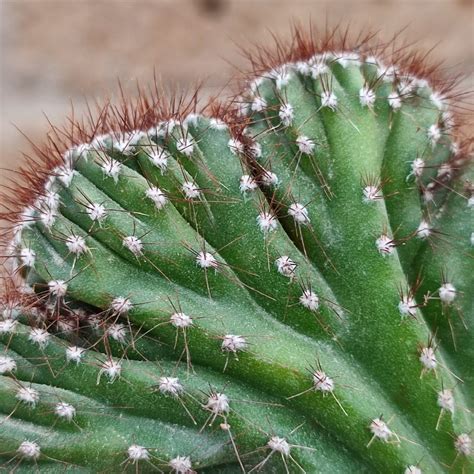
(281, 283)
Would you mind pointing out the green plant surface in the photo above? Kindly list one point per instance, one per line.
(299, 269)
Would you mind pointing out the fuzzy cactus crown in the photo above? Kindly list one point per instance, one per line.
(279, 283)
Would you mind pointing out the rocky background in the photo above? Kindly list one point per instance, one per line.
(54, 52)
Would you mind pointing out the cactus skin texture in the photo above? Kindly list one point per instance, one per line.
(282, 284)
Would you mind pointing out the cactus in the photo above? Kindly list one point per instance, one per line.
(280, 284)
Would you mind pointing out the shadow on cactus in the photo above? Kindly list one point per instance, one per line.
(278, 283)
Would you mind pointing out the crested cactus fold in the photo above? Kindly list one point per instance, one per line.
(283, 283)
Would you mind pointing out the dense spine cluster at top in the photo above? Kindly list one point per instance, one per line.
(285, 286)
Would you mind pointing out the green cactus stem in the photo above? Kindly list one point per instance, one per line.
(283, 284)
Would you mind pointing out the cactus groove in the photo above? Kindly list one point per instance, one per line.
(280, 284)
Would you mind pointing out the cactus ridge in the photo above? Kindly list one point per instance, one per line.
(279, 284)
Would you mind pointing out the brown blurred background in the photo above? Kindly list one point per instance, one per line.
(54, 51)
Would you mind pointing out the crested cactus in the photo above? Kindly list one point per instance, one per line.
(281, 284)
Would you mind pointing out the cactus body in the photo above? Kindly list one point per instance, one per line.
(284, 288)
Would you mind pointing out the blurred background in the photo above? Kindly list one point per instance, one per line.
(57, 51)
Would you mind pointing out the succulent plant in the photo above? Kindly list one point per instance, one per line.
(282, 283)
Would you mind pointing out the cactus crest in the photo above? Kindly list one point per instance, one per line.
(279, 282)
